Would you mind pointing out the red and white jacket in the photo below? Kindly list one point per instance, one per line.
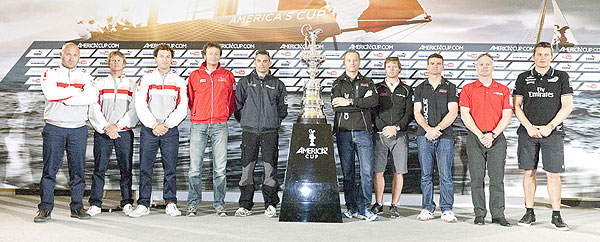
(211, 96)
(161, 99)
(115, 103)
(68, 93)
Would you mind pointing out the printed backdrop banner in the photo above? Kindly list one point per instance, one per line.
(21, 112)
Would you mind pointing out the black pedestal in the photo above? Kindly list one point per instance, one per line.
(311, 191)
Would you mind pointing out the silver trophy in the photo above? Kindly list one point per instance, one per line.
(312, 103)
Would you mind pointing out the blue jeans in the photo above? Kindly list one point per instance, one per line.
(348, 142)
(55, 141)
(103, 146)
(443, 151)
(169, 150)
(199, 135)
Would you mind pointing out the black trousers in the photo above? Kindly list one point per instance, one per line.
(269, 147)
(494, 159)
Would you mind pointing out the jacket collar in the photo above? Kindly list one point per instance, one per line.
(347, 78)
(254, 75)
(203, 66)
(66, 68)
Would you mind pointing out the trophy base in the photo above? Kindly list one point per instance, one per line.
(311, 191)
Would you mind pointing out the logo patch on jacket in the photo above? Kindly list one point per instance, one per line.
(443, 90)
(270, 87)
(364, 84)
(222, 79)
(553, 79)
(202, 80)
(383, 94)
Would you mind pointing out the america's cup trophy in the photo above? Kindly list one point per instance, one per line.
(311, 192)
(312, 103)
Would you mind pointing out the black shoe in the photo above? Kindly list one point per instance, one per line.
(80, 214)
(501, 222)
(558, 223)
(394, 211)
(42, 216)
(479, 220)
(527, 220)
(377, 208)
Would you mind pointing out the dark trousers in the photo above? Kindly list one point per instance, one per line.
(169, 147)
(494, 159)
(103, 146)
(269, 147)
(55, 141)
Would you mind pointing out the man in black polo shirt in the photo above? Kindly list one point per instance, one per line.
(435, 109)
(543, 99)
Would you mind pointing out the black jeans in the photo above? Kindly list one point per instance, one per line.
(269, 147)
(494, 159)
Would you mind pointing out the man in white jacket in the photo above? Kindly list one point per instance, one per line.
(68, 92)
(161, 104)
(113, 116)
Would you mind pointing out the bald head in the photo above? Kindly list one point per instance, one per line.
(69, 55)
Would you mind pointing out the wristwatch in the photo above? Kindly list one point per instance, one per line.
(397, 128)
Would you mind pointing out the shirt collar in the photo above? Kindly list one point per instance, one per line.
(549, 73)
(478, 83)
(444, 81)
(392, 87)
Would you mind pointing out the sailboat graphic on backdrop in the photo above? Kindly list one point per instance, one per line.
(280, 26)
(563, 36)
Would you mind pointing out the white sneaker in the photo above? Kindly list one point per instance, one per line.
(172, 210)
(449, 217)
(139, 211)
(425, 215)
(127, 209)
(271, 211)
(242, 212)
(93, 210)
(368, 216)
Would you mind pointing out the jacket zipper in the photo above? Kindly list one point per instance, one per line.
(212, 94)
(362, 114)
(262, 103)
(392, 102)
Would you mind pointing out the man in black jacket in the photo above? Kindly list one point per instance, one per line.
(352, 97)
(392, 115)
(260, 100)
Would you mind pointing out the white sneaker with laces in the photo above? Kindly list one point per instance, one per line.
(425, 215)
(271, 211)
(172, 210)
(242, 212)
(94, 210)
(127, 209)
(449, 217)
(139, 211)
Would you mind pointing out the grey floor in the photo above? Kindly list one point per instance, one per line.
(17, 212)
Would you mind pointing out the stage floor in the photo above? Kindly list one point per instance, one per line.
(17, 212)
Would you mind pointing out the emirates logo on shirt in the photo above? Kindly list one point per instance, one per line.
(541, 92)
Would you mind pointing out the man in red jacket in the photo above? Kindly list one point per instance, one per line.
(211, 102)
